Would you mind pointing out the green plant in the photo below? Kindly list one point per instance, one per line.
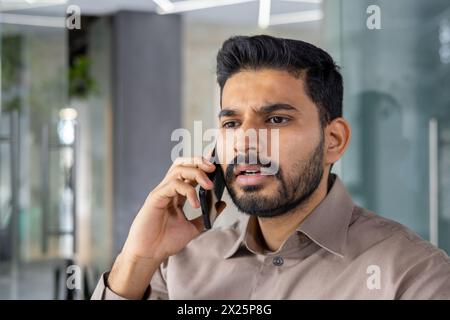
(81, 84)
(11, 65)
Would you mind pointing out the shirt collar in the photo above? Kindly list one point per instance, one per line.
(326, 225)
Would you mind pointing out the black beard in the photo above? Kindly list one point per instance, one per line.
(292, 192)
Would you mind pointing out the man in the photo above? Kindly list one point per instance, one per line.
(301, 237)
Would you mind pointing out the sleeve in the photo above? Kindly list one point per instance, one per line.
(157, 289)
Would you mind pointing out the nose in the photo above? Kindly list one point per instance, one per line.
(246, 139)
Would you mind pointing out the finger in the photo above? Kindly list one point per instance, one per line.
(196, 162)
(178, 187)
(192, 183)
(180, 200)
(193, 174)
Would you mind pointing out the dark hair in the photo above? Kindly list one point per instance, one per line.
(323, 82)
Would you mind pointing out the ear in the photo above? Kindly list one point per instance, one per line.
(337, 138)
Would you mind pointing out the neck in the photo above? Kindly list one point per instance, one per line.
(276, 230)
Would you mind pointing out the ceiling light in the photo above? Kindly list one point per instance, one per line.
(166, 6)
(296, 17)
(31, 20)
(305, 1)
(13, 5)
(265, 18)
(264, 13)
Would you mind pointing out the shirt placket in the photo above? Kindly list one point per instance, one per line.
(272, 264)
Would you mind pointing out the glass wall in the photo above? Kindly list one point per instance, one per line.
(55, 156)
(397, 101)
(33, 90)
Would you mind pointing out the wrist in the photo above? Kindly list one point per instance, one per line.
(131, 274)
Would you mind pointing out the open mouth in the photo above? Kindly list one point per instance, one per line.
(248, 170)
(251, 175)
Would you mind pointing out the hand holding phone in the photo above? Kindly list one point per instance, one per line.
(210, 200)
(160, 229)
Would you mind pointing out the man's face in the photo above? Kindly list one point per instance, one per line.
(270, 99)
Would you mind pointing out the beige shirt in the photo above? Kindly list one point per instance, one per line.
(340, 251)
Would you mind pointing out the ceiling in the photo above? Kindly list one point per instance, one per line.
(242, 13)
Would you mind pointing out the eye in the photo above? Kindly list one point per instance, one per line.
(229, 124)
(277, 120)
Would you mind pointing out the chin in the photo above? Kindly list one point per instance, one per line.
(259, 189)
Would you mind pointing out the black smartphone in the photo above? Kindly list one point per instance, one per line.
(210, 198)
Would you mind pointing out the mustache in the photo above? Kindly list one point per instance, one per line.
(249, 159)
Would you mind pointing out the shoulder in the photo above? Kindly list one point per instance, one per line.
(370, 231)
(417, 268)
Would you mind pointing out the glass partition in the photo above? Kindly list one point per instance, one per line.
(32, 178)
(397, 101)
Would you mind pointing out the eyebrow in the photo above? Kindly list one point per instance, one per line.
(264, 109)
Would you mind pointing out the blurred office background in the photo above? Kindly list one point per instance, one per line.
(86, 116)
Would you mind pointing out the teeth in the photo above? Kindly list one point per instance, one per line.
(251, 171)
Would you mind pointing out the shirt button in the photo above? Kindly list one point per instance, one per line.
(278, 261)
